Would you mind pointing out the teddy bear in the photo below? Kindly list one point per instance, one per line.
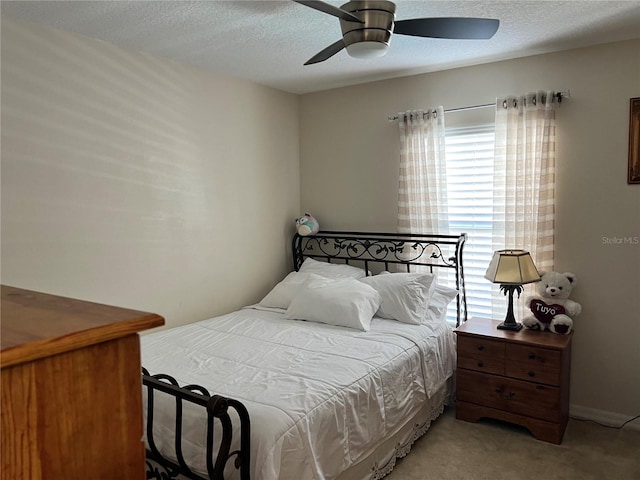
(551, 309)
(307, 225)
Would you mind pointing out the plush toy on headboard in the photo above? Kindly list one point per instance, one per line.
(307, 225)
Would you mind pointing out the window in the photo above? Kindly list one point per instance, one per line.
(469, 154)
(495, 183)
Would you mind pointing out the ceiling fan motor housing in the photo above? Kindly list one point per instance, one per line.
(378, 17)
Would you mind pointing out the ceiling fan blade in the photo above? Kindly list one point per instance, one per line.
(330, 9)
(444, 27)
(327, 53)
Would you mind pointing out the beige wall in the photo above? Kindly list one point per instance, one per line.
(349, 165)
(136, 181)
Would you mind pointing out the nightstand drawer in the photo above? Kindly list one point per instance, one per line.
(515, 396)
(540, 365)
(481, 364)
(476, 353)
(478, 347)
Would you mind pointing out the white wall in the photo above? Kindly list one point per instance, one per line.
(140, 182)
(349, 163)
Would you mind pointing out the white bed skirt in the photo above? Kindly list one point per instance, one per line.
(381, 462)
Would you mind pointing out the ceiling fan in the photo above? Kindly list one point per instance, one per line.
(367, 26)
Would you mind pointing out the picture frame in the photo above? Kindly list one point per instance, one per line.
(633, 175)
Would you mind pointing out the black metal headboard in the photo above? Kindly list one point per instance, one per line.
(375, 251)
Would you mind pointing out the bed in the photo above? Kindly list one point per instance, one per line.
(332, 375)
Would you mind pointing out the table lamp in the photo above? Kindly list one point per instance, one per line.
(511, 269)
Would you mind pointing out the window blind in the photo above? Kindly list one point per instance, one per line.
(469, 154)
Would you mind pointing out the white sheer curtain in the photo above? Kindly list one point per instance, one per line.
(524, 176)
(422, 186)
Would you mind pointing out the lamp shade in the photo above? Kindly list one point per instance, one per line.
(512, 267)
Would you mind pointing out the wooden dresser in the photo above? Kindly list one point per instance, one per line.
(519, 377)
(71, 388)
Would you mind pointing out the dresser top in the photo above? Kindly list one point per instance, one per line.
(489, 329)
(36, 325)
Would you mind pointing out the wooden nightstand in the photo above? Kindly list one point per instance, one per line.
(519, 377)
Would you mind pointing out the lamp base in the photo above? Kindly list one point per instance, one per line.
(516, 327)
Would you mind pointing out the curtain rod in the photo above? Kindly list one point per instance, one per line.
(559, 96)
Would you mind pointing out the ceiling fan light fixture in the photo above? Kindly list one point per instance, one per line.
(367, 27)
(370, 39)
(367, 50)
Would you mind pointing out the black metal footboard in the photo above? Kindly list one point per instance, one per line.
(217, 408)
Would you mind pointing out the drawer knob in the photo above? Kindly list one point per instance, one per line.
(508, 396)
(481, 364)
(532, 356)
(480, 348)
(532, 374)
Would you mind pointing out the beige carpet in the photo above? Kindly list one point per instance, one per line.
(457, 450)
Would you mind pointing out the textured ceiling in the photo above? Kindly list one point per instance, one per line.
(268, 41)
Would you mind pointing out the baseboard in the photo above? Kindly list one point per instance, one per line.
(603, 417)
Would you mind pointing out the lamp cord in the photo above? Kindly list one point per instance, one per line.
(617, 427)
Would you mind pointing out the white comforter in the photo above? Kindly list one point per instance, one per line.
(320, 397)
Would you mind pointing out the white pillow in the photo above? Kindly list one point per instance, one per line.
(440, 300)
(405, 296)
(281, 295)
(331, 270)
(345, 302)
